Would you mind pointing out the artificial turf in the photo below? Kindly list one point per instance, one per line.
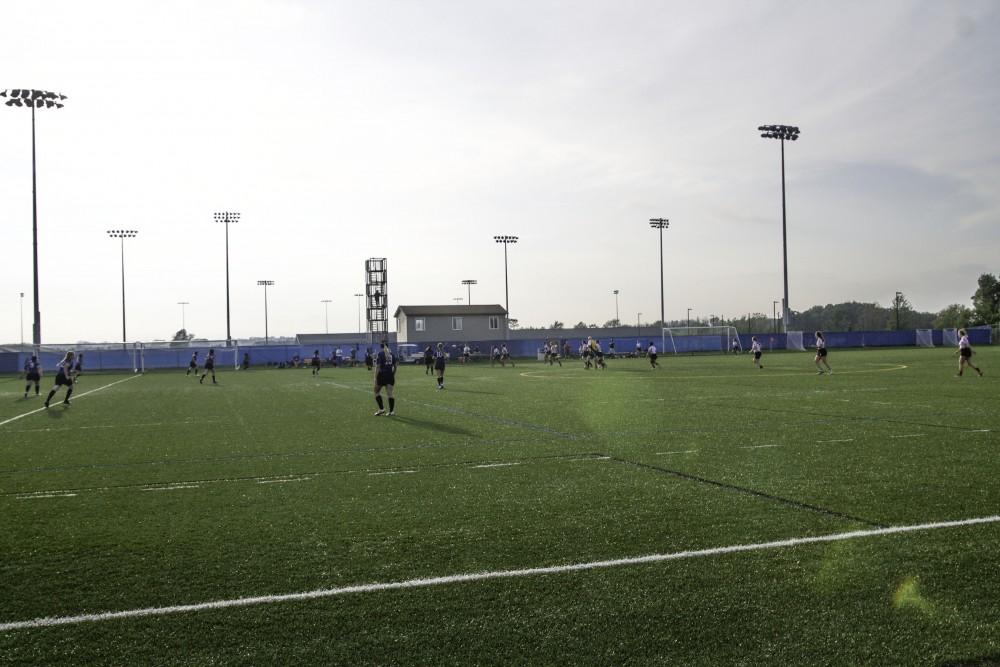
(157, 491)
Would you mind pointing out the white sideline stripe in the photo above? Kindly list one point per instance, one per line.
(980, 430)
(483, 576)
(909, 435)
(495, 465)
(392, 472)
(844, 440)
(45, 495)
(111, 384)
(759, 446)
(686, 451)
(283, 481)
(589, 458)
(172, 487)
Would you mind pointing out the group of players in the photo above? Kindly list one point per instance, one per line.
(68, 372)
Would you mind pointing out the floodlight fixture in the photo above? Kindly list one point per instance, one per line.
(782, 133)
(121, 235)
(661, 224)
(227, 218)
(265, 284)
(469, 284)
(506, 241)
(25, 97)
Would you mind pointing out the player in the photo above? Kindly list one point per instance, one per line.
(209, 367)
(585, 353)
(735, 346)
(505, 356)
(245, 365)
(64, 377)
(78, 368)
(466, 354)
(193, 365)
(428, 360)
(385, 376)
(611, 348)
(638, 349)
(756, 352)
(964, 355)
(369, 360)
(439, 364)
(651, 353)
(494, 356)
(316, 362)
(554, 353)
(32, 374)
(821, 355)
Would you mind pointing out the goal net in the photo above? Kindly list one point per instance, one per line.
(688, 340)
(925, 338)
(793, 341)
(949, 337)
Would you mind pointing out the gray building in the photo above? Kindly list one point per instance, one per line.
(429, 324)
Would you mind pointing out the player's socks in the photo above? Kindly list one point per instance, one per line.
(378, 399)
(51, 394)
(392, 405)
(440, 382)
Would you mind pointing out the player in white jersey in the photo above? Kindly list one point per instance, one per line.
(554, 353)
(965, 354)
(64, 377)
(755, 350)
(820, 357)
(651, 353)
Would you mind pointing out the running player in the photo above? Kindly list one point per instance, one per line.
(964, 355)
(316, 362)
(756, 351)
(494, 356)
(651, 353)
(193, 365)
(505, 356)
(821, 355)
(385, 376)
(32, 374)
(63, 378)
(439, 360)
(369, 360)
(209, 367)
(554, 353)
(78, 368)
(598, 354)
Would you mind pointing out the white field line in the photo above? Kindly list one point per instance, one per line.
(589, 458)
(759, 446)
(51, 621)
(909, 435)
(842, 440)
(392, 472)
(32, 496)
(495, 465)
(980, 430)
(110, 384)
(172, 487)
(283, 480)
(683, 451)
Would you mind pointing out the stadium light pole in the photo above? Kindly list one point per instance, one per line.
(660, 224)
(897, 300)
(122, 234)
(359, 310)
(791, 133)
(774, 315)
(506, 241)
(689, 321)
(469, 284)
(617, 321)
(265, 284)
(326, 307)
(32, 99)
(182, 304)
(227, 218)
(22, 319)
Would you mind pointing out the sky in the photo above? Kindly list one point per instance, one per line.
(416, 132)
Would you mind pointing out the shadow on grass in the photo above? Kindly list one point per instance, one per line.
(983, 661)
(452, 390)
(430, 425)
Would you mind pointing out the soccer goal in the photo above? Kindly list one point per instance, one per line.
(793, 341)
(925, 338)
(688, 340)
(949, 337)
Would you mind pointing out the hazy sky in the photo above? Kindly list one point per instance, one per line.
(416, 131)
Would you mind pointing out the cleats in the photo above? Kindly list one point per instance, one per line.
(46, 404)
(66, 402)
(379, 413)
(392, 413)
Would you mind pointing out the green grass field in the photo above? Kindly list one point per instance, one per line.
(157, 491)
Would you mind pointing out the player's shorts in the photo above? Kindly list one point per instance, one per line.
(209, 365)
(63, 379)
(193, 365)
(33, 377)
(439, 364)
(315, 362)
(428, 361)
(966, 352)
(652, 357)
(756, 355)
(385, 379)
(821, 352)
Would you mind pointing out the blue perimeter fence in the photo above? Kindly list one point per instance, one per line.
(262, 356)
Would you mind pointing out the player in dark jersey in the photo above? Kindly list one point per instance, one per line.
(193, 365)
(63, 378)
(78, 368)
(369, 360)
(385, 376)
(316, 363)
(428, 360)
(209, 367)
(32, 374)
(439, 364)
(246, 362)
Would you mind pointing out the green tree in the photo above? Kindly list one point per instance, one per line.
(182, 335)
(986, 300)
(954, 316)
(556, 325)
(900, 311)
(611, 324)
(580, 325)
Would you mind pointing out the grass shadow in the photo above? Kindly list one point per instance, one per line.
(431, 425)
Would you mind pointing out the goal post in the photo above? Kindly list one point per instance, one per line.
(689, 340)
(949, 337)
(793, 341)
(925, 338)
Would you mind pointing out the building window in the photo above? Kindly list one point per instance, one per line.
(419, 324)
(494, 322)
(397, 326)
(456, 324)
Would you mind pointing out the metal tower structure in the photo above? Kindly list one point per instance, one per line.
(376, 299)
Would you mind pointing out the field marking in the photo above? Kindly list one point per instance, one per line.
(684, 451)
(759, 446)
(171, 487)
(909, 435)
(392, 472)
(495, 465)
(660, 375)
(43, 409)
(32, 496)
(283, 480)
(51, 621)
(841, 440)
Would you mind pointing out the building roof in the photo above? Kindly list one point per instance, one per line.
(494, 309)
